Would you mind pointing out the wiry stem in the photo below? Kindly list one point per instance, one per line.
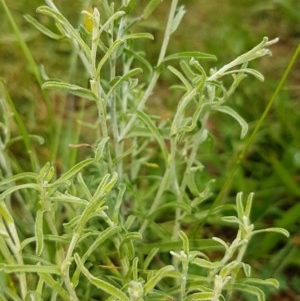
(156, 74)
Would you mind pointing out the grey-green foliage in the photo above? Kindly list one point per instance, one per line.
(89, 230)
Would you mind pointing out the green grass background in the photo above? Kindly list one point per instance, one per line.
(226, 29)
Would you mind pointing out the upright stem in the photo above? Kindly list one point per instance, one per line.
(170, 170)
(197, 140)
(156, 74)
(65, 267)
(116, 124)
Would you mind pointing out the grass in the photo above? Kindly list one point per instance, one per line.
(157, 208)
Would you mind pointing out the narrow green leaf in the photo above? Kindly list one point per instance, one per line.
(231, 219)
(18, 268)
(55, 286)
(113, 48)
(139, 35)
(270, 281)
(99, 150)
(4, 249)
(39, 234)
(185, 242)
(239, 207)
(109, 53)
(154, 130)
(105, 186)
(9, 232)
(179, 124)
(157, 276)
(117, 81)
(135, 273)
(99, 283)
(150, 7)
(127, 249)
(110, 21)
(39, 26)
(273, 229)
(138, 56)
(221, 241)
(83, 186)
(190, 125)
(196, 64)
(247, 269)
(253, 72)
(149, 258)
(46, 173)
(67, 198)
(4, 212)
(17, 177)
(230, 268)
(181, 76)
(102, 236)
(200, 296)
(177, 19)
(171, 205)
(235, 115)
(253, 290)
(94, 209)
(74, 170)
(69, 88)
(207, 264)
(11, 190)
(249, 204)
(73, 222)
(66, 27)
(187, 70)
(118, 204)
(129, 7)
(40, 140)
(167, 246)
(190, 54)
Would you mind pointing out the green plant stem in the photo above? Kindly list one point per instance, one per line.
(156, 74)
(170, 170)
(239, 258)
(118, 148)
(184, 276)
(197, 140)
(63, 261)
(65, 266)
(13, 242)
(66, 107)
(181, 107)
(170, 176)
(242, 154)
(157, 200)
(35, 165)
(104, 130)
(22, 43)
(29, 58)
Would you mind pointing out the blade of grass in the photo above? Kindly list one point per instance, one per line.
(34, 161)
(220, 197)
(99, 283)
(23, 45)
(31, 62)
(284, 175)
